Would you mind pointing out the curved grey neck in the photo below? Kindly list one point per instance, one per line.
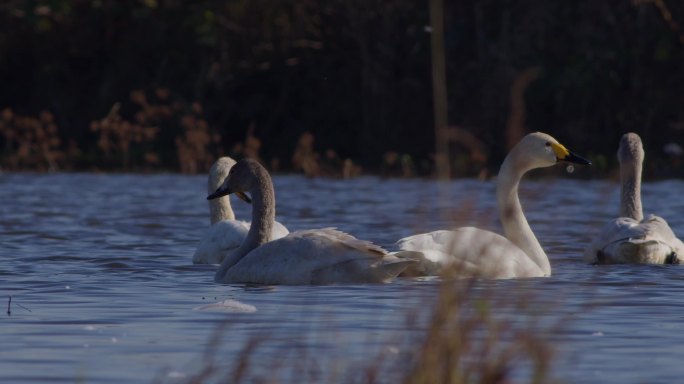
(630, 190)
(514, 223)
(263, 216)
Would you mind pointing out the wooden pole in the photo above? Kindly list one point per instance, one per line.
(439, 90)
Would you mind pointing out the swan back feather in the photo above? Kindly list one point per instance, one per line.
(225, 233)
(481, 253)
(630, 238)
(318, 256)
(476, 252)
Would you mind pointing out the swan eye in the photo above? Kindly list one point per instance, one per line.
(548, 144)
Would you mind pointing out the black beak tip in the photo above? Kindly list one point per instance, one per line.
(572, 158)
(214, 195)
(584, 161)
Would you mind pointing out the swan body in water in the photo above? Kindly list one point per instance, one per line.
(474, 252)
(319, 256)
(225, 233)
(631, 238)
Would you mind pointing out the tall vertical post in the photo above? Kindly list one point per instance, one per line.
(439, 90)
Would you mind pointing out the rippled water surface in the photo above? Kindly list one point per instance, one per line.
(103, 289)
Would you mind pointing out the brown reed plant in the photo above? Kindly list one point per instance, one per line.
(395, 164)
(30, 142)
(184, 121)
(471, 155)
(307, 160)
(117, 136)
(157, 118)
(193, 144)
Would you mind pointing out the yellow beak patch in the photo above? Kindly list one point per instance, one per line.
(560, 151)
(243, 197)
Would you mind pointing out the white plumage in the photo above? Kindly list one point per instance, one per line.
(225, 233)
(476, 252)
(630, 238)
(318, 256)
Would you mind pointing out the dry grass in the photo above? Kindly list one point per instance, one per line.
(476, 337)
(193, 146)
(470, 336)
(31, 142)
(307, 160)
(116, 136)
(155, 116)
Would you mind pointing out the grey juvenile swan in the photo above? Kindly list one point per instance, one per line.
(630, 238)
(225, 233)
(318, 256)
(471, 251)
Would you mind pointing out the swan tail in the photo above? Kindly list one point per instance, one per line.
(409, 255)
(423, 263)
(391, 269)
(646, 251)
(360, 271)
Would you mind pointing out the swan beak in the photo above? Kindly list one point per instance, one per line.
(562, 154)
(219, 193)
(573, 158)
(226, 191)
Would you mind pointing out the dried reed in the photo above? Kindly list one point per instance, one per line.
(30, 142)
(470, 336)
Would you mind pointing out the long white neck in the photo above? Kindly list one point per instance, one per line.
(263, 217)
(220, 209)
(630, 190)
(515, 225)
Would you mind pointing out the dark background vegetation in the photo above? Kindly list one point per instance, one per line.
(330, 87)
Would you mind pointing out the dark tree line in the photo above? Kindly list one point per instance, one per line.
(171, 84)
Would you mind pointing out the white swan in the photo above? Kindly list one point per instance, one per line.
(476, 252)
(319, 256)
(225, 233)
(630, 238)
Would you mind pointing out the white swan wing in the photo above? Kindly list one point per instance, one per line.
(658, 228)
(225, 236)
(219, 240)
(470, 251)
(625, 240)
(319, 256)
(278, 231)
(433, 252)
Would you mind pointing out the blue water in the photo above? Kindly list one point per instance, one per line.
(103, 289)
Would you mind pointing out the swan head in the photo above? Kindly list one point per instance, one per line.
(538, 150)
(219, 171)
(631, 150)
(242, 177)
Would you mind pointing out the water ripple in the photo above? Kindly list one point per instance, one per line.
(102, 266)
